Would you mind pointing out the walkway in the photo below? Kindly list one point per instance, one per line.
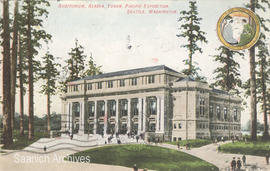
(210, 154)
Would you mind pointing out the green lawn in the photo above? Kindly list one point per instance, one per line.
(21, 142)
(193, 143)
(251, 148)
(145, 156)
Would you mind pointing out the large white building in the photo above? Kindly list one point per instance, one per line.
(154, 101)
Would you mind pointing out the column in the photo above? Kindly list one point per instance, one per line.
(128, 119)
(81, 130)
(71, 118)
(144, 114)
(140, 115)
(116, 115)
(95, 119)
(162, 114)
(105, 117)
(68, 116)
(158, 115)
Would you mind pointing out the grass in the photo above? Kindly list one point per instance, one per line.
(21, 142)
(259, 148)
(145, 156)
(193, 143)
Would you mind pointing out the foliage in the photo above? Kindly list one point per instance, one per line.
(227, 75)
(191, 31)
(259, 148)
(145, 156)
(193, 143)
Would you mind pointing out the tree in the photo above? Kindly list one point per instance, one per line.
(92, 68)
(255, 4)
(227, 75)
(190, 30)
(33, 13)
(7, 130)
(49, 73)
(13, 65)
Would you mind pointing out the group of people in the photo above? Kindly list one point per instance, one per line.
(237, 164)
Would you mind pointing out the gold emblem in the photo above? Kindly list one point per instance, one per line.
(238, 28)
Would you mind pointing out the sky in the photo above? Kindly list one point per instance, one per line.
(104, 32)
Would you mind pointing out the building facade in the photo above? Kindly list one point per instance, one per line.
(156, 102)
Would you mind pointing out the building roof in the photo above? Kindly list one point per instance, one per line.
(219, 91)
(129, 72)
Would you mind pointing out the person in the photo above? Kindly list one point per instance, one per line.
(135, 167)
(178, 145)
(239, 165)
(137, 138)
(244, 160)
(233, 164)
(267, 158)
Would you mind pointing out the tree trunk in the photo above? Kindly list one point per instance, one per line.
(21, 90)
(13, 66)
(7, 131)
(48, 112)
(265, 131)
(30, 76)
(253, 99)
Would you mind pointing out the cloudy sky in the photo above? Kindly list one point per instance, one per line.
(104, 32)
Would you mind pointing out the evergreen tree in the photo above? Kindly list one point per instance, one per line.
(7, 130)
(92, 68)
(49, 74)
(227, 75)
(32, 16)
(191, 31)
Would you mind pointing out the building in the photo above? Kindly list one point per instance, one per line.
(157, 102)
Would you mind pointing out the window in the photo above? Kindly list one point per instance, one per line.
(152, 106)
(122, 83)
(111, 108)
(225, 113)
(110, 84)
(179, 138)
(100, 108)
(235, 114)
(99, 85)
(89, 86)
(174, 126)
(76, 109)
(75, 87)
(202, 103)
(174, 138)
(179, 125)
(211, 111)
(218, 112)
(151, 79)
(134, 107)
(134, 81)
(123, 107)
(91, 109)
(152, 127)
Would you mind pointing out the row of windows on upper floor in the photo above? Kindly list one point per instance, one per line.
(110, 84)
(218, 111)
(205, 126)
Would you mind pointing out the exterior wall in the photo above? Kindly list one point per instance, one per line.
(182, 107)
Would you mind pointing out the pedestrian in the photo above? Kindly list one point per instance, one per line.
(137, 138)
(267, 158)
(244, 160)
(239, 165)
(178, 145)
(233, 164)
(135, 167)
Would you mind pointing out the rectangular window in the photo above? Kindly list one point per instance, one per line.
(122, 83)
(75, 87)
(235, 114)
(123, 107)
(225, 113)
(152, 106)
(218, 112)
(111, 107)
(100, 108)
(99, 85)
(91, 109)
(110, 84)
(151, 79)
(89, 86)
(76, 109)
(179, 125)
(211, 111)
(134, 107)
(134, 81)
(202, 103)
(174, 126)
